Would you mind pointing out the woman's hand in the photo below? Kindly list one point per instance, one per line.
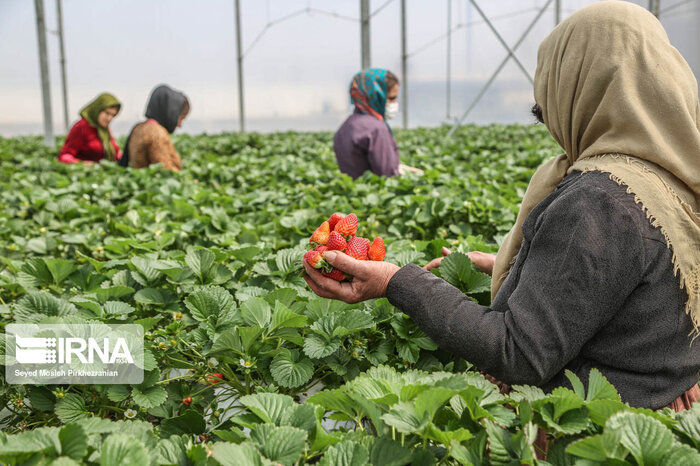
(370, 278)
(436, 262)
(482, 260)
(406, 168)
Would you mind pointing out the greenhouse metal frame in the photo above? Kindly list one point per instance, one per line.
(365, 48)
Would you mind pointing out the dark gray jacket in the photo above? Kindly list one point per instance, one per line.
(592, 286)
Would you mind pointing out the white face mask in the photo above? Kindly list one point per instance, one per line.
(391, 110)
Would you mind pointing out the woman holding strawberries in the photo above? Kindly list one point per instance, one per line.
(602, 267)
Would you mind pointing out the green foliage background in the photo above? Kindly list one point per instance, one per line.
(207, 261)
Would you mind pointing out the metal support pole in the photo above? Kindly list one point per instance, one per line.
(449, 58)
(44, 69)
(404, 75)
(654, 7)
(498, 70)
(364, 34)
(557, 12)
(469, 36)
(62, 51)
(241, 112)
(503, 42)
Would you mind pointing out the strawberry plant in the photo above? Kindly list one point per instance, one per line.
(243, 364)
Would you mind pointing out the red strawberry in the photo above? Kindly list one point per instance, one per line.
(347, 226)
(357, 248)
(336, 242)
(377, 250)
(335, 274)
(321, 249)
(214, 377)
(335, 218)
(315, 259)
(320, 236)
(187, 400)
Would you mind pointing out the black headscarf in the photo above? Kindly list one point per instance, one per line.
(165, 106)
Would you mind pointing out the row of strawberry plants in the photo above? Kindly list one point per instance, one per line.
(388, 418)
(207, 262)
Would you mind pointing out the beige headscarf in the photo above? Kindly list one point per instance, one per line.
(621, 100)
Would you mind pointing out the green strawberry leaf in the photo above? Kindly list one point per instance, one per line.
(290, 370)
(229, 454)
(256, 311)
(149, 397)
(120, 449)
(74, 442)
(347, 453)
(71, 408)
(269, 407)
(283, 444)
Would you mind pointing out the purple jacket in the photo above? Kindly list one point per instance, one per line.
(365, 143)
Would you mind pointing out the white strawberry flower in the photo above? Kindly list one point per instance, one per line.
(212, 363)
(130, 413)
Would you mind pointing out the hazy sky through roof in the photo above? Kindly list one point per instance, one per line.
(296, 73)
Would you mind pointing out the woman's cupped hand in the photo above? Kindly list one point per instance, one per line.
(369, 278)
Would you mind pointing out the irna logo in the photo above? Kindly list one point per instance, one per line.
(94, 353)
(31, 350)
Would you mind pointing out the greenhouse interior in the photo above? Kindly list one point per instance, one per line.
(349, 232)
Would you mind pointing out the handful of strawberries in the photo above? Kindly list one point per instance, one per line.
(338, 234)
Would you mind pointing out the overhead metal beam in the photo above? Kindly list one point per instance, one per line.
(404, 74)
(239, 53)
(44, 70)
(364, 34)
(502, 41)
(500, 67)
(62, 52)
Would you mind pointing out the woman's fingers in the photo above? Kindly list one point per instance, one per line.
(324, 283)
(342, 261)
(436, 262)
(327, 287)
(433, 263)
(483, 261)
(317, 289)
